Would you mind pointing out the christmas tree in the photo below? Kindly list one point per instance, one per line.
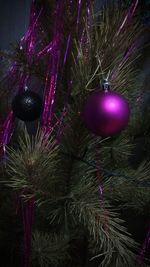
(69, 187)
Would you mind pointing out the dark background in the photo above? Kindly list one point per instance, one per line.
(14, 16)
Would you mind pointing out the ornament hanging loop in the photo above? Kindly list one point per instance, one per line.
(26, 88)
(106, 86)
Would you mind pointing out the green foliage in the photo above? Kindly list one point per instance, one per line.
(48, 250)
(76, 183)
(32, 165)
(131, 193)
(102, 54)
(79, 203)
(107, 235)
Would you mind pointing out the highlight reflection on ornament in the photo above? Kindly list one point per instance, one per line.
(111, 105)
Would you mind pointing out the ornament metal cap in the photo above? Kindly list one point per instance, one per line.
(106, 85)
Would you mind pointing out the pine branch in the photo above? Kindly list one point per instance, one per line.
(106, 233)
(48, 250)
(31, 167)
(131, 193)
(107, 53)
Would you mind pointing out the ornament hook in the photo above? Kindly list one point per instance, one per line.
(106, 85)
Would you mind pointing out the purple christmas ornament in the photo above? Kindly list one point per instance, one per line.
(106, 113)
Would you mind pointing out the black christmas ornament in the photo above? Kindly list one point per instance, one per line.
(27, 106)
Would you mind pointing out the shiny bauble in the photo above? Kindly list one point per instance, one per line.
(106, 113)
(27, 106)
